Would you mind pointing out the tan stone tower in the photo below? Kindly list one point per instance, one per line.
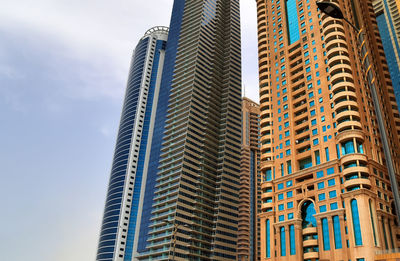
(250, 181)
(326, 191)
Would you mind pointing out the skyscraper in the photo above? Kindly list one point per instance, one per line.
(388, 18)
(126, 214)
(195, 205)
(326, 191)
(250, 181)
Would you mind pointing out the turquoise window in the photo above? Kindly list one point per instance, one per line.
(332, 194)
(313, 122)
(320, 174)
(348, 147)
(337, 233)
(315, 142)
(286, 124)
(268, 175)
(330, 171)
(356, 222)
(281, 218)
(320, 185)
(321, 196)
(317, 157)
(325, 234)
(280, 186)
(290, 216)
(281, 207)
(322, 208)
(282, 172)
(283, 241)
(327, 154)
(289, 194)
(289, 183)
(331, 182)
(268, 238)
(334, 206)
(314, 131)
(290, 205)
(292, 240)
(280, 196)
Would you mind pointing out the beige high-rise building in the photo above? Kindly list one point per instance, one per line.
(326, 188)
(250, 181)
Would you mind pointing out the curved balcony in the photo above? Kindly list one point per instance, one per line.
(267, 195)
(340, 66)
(265, 146)
(336, 41)
(343, 85)
(353, 157)
(333, 32)
(311, 255)
(265, 129)
(345, 103)
(356, 169)
(346, 125)
(348, 113)
(337, 52)
(309, 231)
(265, 206)
(350, 134)
(342, 94)
(310, 242)
(333, 28)
(266, 184)
(266, 156)
(342, 75)
(354, 182)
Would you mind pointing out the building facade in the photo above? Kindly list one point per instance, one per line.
(250, 182)
(127, 211)
(195, 205)
(388, 18)
(326, 189)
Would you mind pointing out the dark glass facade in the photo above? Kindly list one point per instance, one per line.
(109, 229)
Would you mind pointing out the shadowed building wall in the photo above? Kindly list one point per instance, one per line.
(250, 181)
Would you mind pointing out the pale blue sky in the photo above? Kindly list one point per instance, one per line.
(63, 70)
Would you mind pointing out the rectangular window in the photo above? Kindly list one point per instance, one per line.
(331, 182)
(280, 186)
(332, 194)
(281, 218)
(321, 185)
(317, 157)
(314, 131)
(334, 206)
(281, 207)
(337, 233)
(289, 165)
(292, 236)
(325, 234)
(330, 171)
(282, 171)
(280, 196)
(327, 154)
(290, 205)
(320, 174)
(283, 241)
(289, 194)
(321, 196)
(322, 208)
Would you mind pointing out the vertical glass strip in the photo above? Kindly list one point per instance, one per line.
(283, 242)
(356, 223)
(268, 239)
(372, 222)
(292, 21)
(384, 233)
(292, 236)
(325, 234)
(337, 234)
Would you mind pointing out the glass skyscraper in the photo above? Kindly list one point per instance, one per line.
(129, 196)
(195, 205)
(327, 189)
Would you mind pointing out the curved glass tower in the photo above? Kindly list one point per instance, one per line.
(126, 214)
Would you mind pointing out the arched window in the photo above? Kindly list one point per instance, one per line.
(307, 214)
(356, 222)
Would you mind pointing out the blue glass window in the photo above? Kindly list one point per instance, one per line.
(330, 171)
(331, 182)
(337, 233)
(327, 154)
(356, 222)
(281, 218)
(268, 237)
(321, 196)
(292, 236)
(325, 234)
(334, 206)
(314, 131)
(280, 186)
(320, 174)
(280, 196)
(281, 207)
(321, 185)
(290, 205)
(290, 216)
(332, 194)
(322, 208)
(283, 241)
(289, 194)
